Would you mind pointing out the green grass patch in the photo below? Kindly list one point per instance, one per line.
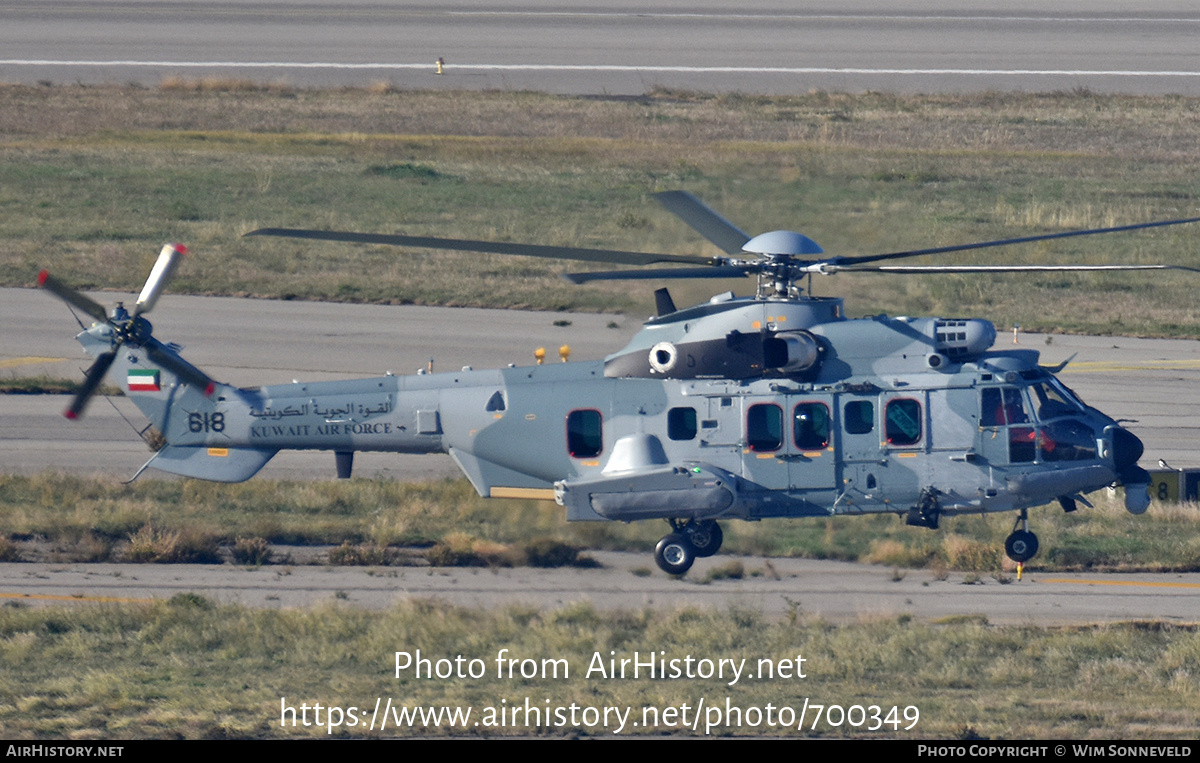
(46, 385)
(94, 198)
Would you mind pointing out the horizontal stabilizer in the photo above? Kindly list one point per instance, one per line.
(215, 464)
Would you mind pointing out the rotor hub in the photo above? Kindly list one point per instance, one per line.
(782, 242)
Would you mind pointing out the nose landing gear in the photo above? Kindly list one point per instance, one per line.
(1021, 545)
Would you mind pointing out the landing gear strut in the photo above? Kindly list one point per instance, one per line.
(1021, 545)
(705, 536)
(688, 541)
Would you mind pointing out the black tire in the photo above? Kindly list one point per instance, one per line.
(674, 554)
(1021, 546)
(706, 537)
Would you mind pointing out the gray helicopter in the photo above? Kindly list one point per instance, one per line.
(771, 405)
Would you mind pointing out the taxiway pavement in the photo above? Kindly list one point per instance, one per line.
(835, 591)
(620, 48)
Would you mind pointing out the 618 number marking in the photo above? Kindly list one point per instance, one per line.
(206, 422)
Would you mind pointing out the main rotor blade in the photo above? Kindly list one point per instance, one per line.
(704, 220)
(902, 269)
(91, 382)
(1008, 241)
(72, 297)
(492, 247)
(717, 271)
(180, 367)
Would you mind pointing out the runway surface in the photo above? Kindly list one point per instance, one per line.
(622, 47)
(836, 591)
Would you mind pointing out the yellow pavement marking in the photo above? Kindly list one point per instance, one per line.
(57, 597)
(1147, 583)
(15, 362)
(1104, 366)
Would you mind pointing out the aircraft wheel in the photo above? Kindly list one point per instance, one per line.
(706, 537)
(1021, 546)
(674, 554)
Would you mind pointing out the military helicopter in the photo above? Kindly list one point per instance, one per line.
(771, 405)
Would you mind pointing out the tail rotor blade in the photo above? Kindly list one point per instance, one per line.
(181, 368)
(72, 297)
(91, 382)
(164, 268)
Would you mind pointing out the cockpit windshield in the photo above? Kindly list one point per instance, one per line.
(1052, 400)
(1043, 421)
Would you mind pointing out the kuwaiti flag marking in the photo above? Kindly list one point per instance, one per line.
(142, 380)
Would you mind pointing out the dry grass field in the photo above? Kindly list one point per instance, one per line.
(189, 669)
(54, 517)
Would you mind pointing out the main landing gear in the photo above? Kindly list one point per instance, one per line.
(688, 540)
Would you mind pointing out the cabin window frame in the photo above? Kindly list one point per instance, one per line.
(756, 443)
(592, 443)
(919, 420)
(853, 424)
(676, 429)
(828, 426)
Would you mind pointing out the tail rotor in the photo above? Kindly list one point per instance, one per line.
(128, 329)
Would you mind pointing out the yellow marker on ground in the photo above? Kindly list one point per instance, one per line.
(28, 361)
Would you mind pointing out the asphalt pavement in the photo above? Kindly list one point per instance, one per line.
(620, 48)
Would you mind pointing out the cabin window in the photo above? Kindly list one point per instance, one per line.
(764, 427)
(681, 423)
(860, 417)
(991, 413)
(1001, 406)
(1005, 406)
(810, 426)
(495, 403)
(903, 419)
(585, 433)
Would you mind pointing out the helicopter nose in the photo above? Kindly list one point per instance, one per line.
(1127, 449)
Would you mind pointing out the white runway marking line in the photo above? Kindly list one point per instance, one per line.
(798, 15)
(609, 68)
(1141, 583)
